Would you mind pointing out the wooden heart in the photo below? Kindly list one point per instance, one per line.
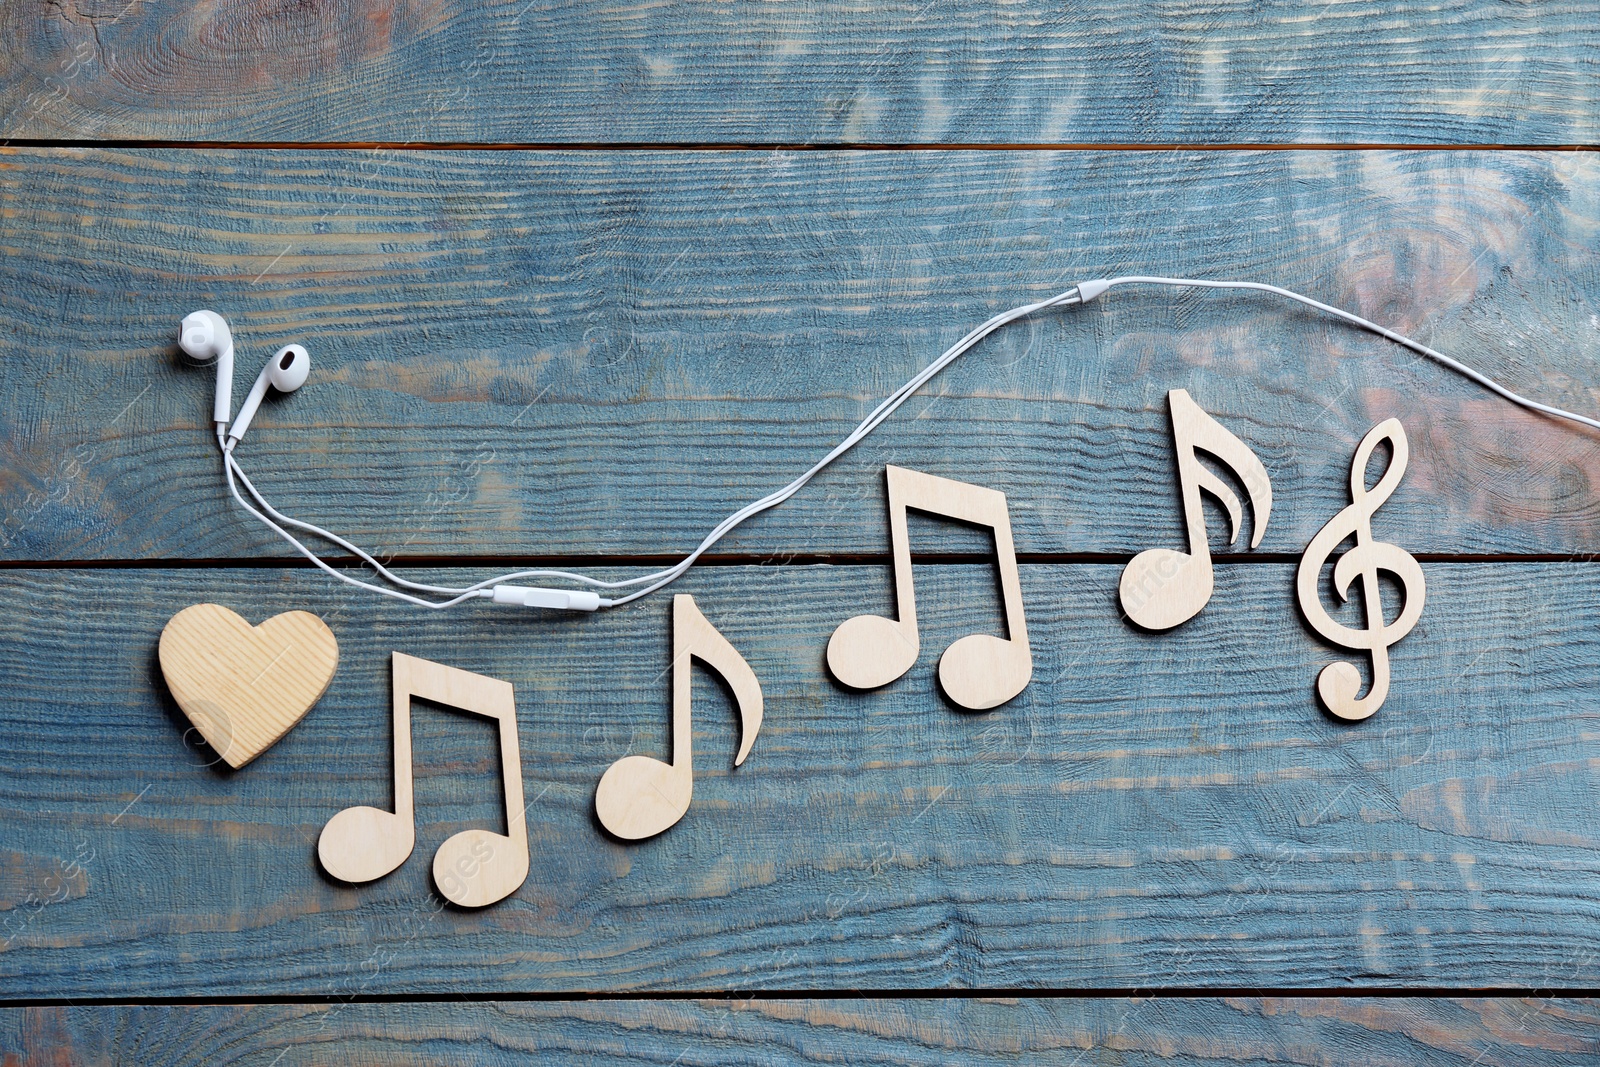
(244, 686)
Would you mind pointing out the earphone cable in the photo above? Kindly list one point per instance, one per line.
(335, 538)
(658, 579)
(228, 469)
(1367, 324)
(1080, 294)
(476, 589)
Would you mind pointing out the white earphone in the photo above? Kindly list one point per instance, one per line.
(286, 371)
(205, 337)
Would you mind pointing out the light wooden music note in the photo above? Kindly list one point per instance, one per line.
(978, 671)
(1339, 682)
(640, 796)
(474, 867)
(1162, 587)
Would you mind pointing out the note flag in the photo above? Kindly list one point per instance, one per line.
(1162, 587)
(473, 868)
(1339, 682)
(640, 796)
(978, 671)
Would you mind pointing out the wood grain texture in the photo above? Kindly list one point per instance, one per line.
(953, 72)
(1166, 809)
(241, 685)
(1146, 1032)
(535, 353)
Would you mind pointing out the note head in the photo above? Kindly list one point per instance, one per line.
(869, 651)
(1162, 588)
(363, 844)
(982, 671)
(478, 867)
(640, 796)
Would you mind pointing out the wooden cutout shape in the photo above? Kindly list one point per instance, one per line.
(1162, 587)
(978, 671)
(640, 796)
(244, 686)
(1339, 682)
(475, 867)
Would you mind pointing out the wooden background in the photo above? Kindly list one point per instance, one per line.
(578, 280)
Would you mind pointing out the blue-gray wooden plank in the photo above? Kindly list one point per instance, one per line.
(1056, 1032)
(605, 353)
(1153, 810)
(950, 71)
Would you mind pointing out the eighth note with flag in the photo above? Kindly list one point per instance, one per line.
(640, 796)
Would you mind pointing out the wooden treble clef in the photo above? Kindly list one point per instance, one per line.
(1339, 682)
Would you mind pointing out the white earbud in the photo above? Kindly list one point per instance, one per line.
(286, 371)
(205, 337)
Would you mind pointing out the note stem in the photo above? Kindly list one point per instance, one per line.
(905, 593)
(686, 622)
(404, 797)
